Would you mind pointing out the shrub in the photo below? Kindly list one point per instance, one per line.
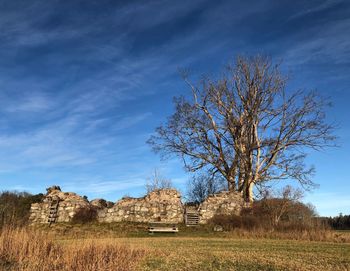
(85, 215)
(230, 222)
(272, 214)
(283, 214)
(250, 222)
(227, 222)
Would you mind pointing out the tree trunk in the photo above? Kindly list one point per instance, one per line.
(240, 178)
(248, 192)
(231, 183)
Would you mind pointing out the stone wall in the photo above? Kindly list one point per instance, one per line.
(224, 202)
(68, 205)
(160, 205)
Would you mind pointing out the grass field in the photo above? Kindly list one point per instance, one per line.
(185, 253)
(129, 247)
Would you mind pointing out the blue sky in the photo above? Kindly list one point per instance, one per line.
(83, 84)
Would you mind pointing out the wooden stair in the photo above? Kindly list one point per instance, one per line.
(53, 210)
(191, 217)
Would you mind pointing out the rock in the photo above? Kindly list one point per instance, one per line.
(221, 203)
(53, 188)
(99, 203)
(218, 228)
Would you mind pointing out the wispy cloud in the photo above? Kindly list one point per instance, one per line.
(330, 45)
(69, 142)
(31, 103)
(84, 84)
(101, 188)
(324, 5)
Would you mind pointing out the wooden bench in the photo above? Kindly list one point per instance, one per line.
(162, 227)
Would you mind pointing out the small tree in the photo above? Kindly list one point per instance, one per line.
(157, 181)
(200, 187)
(284, 202)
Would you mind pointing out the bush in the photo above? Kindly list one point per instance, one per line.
(272, 214)
(85, 215)
(230, 222)
(284, 214)
(227, 222)
(250, 222)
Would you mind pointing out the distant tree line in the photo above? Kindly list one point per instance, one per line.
(340, 222)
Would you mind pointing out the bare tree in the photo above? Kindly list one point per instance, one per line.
(283, 207)
(246, 127)
(157, 181)
(201, 186)
(280, 202)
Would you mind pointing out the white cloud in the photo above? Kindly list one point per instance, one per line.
(32, 103)
(316, 8)
(330, 44)
(64, 143)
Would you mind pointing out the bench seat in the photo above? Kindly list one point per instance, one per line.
(162, 229)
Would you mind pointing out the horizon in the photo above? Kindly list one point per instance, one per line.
(84, 84)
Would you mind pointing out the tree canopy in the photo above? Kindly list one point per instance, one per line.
(246, 127)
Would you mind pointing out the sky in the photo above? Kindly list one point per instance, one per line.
(83, 84)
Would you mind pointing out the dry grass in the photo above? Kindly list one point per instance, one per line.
(302, 235)
(28, 249)
(24, 249)
(214, 254)
(124, 229)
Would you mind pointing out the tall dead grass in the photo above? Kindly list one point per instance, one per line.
(251, 226)
(25, 249)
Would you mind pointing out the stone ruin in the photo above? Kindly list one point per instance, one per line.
(224, 203)
(162, 205)
(68, 204)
